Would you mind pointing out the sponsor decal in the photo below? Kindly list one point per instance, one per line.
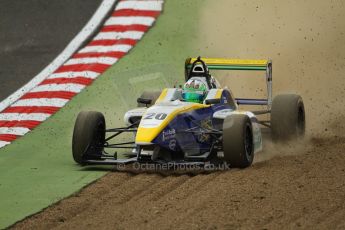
(172, 144)
(205, 124)
(169, 134)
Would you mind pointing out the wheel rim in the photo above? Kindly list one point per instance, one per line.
(98, 142)
(99, 139)
(248, 141)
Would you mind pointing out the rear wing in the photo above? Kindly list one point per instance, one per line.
(240, 64)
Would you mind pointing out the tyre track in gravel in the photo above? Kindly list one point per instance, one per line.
(296, 191)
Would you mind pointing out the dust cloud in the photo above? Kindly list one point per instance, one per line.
(305, 40)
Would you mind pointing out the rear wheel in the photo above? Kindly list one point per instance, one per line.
(88, 136)
(153, 95)
(238, 143)
(287, 117)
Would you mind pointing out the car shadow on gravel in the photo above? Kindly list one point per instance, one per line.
(154, 169)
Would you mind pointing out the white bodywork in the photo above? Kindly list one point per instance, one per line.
(138, 112)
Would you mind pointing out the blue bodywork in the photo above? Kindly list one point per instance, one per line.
(175, 137)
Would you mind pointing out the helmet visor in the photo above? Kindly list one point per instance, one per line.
(193, 97)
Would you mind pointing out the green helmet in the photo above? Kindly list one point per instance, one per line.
(194, 90)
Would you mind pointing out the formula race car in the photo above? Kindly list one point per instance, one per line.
(198, 123)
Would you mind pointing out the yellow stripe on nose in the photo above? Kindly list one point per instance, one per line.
(145, 135)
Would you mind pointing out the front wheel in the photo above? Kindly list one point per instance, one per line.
(88, 136)
(238, 143)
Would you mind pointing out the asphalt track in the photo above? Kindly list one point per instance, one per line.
(33, 33)
(296, 186)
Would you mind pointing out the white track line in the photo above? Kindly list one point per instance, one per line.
(101, 49)
(56, 102)
(119, 35)
(101, 60)
(19, 131)
(130, 20)
(3, 143)
(140, 5)
(103, 10)
(72, 74)
(24, 116)
(75, 88)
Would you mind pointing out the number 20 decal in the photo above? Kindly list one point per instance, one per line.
(157, 116)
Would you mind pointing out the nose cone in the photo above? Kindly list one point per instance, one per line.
(146, 135)
(157, 117)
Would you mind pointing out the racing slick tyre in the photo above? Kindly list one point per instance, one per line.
(238, 145)
(287, 117)
(153, 95)
(88, 136)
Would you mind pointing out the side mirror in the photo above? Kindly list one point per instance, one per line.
(144, 101)
(212, 101)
